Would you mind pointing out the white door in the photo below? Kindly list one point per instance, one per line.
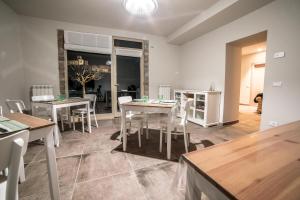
(258, 77)
(245, 90)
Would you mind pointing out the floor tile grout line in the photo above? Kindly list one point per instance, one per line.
(76, 176)
(33, 159)
(108, 176)
(37, 161)
(135, 177)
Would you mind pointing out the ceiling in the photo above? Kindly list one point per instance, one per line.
(170, 15)
(179, 20)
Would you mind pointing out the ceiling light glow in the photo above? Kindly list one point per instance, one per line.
(140, 7)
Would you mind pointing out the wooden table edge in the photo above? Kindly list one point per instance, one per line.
(44, 126)
(49, 123)
(209, 179)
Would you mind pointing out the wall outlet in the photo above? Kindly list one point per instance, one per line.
(273, 123)
(277, 84)
(279, 54)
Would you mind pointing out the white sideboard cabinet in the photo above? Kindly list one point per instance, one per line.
(206, 108)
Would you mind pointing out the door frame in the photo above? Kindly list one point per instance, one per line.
(114, 85)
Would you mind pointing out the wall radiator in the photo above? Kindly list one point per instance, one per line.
(165, 92)
(42, 93)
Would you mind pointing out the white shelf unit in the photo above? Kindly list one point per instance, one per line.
(206, 108)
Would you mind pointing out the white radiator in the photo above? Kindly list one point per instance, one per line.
(42, 93)
(165, 92)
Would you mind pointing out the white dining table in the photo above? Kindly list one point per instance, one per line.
(66, 103)
(148, 107)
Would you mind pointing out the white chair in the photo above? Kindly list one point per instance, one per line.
(15, 106)
(82, 112)
(131, 118)
(1, 111)
(180, 126)
(12, 147)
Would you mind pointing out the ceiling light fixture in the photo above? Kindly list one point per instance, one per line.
(140, 7)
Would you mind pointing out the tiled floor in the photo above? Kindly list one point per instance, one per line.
(93, 166)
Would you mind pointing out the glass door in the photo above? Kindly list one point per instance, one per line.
(84, 64)
(128, 74)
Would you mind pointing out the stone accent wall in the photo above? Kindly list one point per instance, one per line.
(61, 62)
(146, 67)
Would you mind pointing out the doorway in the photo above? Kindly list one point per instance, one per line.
(129, 70)
(244, 79)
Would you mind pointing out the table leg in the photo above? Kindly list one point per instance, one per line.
(51, 165)
(169, 135)
(89, 117)
(22, 171)
(191, 189)
(124, 131)
(56, 134)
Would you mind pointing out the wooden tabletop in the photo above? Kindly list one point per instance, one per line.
(31, 121)
(65, 101)
(262, 165)
(145, 104)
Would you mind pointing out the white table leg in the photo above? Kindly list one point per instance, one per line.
(51, 165)
(56, 134)
(169, 135)
(124, 131)
(22, 171)
(191, 191)
(89, 118)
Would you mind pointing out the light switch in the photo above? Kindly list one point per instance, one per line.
(277, 84)
(279, 54)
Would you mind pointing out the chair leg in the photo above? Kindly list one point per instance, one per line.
(175, 136)
(69, 117)
(95, 118)
(73, 120)
(139, 135)
(166, 138)
(22, 171)
(147, 127)
(160, 140)
(185, 140)
(62, 121)
(82, 122)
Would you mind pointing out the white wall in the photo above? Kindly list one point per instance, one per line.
(39, 44)
(247, 78)
(203, 59)
(11, 69)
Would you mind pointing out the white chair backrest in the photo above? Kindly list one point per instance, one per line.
(92, 98)
(15, 105)
(122, 100)
(187, 107)
(1, 111)
(12, 148)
